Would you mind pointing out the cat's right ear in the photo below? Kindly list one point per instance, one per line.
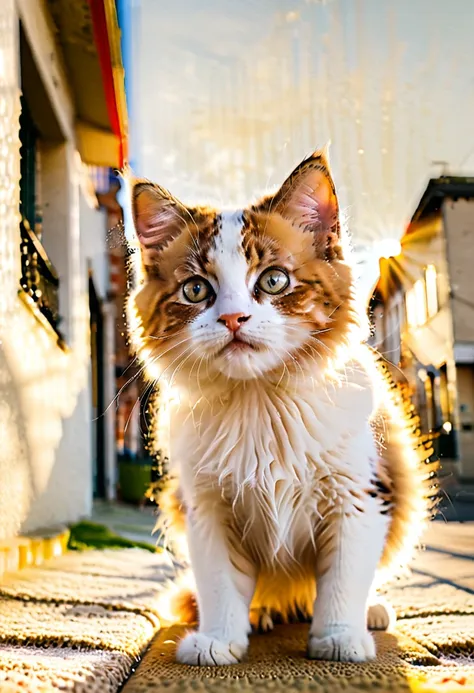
(158, 217)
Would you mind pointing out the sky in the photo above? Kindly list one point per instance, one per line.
(227, 97)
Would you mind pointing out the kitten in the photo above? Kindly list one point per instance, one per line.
(293, 465)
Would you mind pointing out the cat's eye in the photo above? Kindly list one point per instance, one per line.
(273, 281)
(197, 289)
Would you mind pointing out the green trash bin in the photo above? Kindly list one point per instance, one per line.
(134, 479)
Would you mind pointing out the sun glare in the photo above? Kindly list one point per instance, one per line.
(388, 247)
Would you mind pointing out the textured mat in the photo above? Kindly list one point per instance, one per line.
(74, 625)
(432, 649)
(277, 662)
(444, 636)
(37, 670)
(427, 596)
(129, 594)
(82, 622)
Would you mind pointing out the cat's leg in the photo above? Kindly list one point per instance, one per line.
(224, 593)
(349, 545)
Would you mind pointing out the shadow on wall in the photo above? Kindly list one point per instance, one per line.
(67, 494)
(45, 426)
(16, 480)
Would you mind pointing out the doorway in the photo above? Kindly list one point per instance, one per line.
(98, 394)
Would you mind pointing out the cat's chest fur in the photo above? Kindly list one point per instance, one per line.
(276, 457)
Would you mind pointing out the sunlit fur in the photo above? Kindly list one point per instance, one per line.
(291, 457)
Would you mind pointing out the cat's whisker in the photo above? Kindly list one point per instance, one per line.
(296, 363)
(287, 370)
(174, 346)
(334, 310)
(199, 370)
(325, 346)
(326, 329)
(131, 363)
(148, 394)
(125, 428)
(181, 364)
(124, 386)
(164, 337)
(154, 360)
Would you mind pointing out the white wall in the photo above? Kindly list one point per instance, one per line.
(45, 413)
(15, 484)
(94, 252)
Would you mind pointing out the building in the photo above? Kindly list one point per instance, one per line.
(62, 130)
(422, 312)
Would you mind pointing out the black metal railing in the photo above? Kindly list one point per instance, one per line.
(38, 276)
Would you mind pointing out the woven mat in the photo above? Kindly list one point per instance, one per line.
(37, 670)
(432, 649)
(277, 662)
(82, 622)
(75, 625)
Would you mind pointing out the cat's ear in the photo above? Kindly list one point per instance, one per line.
(308, 196)
(308, 200)
(158, 217)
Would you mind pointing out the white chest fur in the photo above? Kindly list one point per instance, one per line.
(276, 457)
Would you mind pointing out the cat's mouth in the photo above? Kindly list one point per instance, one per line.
(239, 345)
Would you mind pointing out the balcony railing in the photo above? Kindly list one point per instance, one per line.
(38, 276)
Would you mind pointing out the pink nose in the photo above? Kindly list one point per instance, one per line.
(233, 321)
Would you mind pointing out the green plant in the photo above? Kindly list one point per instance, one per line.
(90, 535)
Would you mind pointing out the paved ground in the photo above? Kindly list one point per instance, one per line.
(448, 544)
(129, 521)
(448, 554)
(457, 505)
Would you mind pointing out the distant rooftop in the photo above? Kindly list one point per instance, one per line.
(454, 187)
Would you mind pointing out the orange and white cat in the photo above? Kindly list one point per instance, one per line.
(294, 472)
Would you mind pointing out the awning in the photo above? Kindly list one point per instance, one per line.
(89, 36)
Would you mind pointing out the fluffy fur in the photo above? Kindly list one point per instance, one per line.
(293, 462)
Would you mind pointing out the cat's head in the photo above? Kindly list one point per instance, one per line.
(259, 291)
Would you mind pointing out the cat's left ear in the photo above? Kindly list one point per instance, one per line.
(308, 200)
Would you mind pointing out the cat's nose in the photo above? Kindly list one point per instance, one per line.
(233, 321)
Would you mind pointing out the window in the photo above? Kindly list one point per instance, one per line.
(28, 166)
(420, 297)
(38, 279)
(431, 413)
(444, 394)
(415, 301)
(410, 304)
(396, 333)
(431, 290)
(378, 326)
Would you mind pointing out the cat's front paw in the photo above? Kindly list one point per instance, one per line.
(381, 616)
(199, 649)
(342, 645)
